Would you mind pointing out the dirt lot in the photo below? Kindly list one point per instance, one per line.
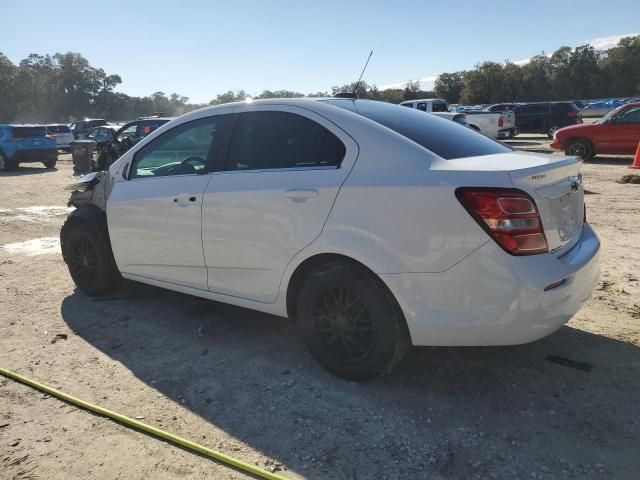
(242, 383)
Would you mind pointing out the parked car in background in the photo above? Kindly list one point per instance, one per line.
(113, 140)
(81, 127)
(501, 107)
(132, 132)
(429, 105)
(495, 125)
(107, 147)
(600, 108)
(460, 118)
(26, 144)
(546, 117)
(373, 225)
(616, 133)
(63, 135)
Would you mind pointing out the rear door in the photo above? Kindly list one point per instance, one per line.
(283, 170)
(155, 216)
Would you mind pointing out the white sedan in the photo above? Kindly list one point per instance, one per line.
(373, 225)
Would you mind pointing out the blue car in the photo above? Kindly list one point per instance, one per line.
(26, 143)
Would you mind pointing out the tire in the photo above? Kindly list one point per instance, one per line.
(579, 147)
(50, 163)
(5, 164)
(350, 322)
(90, 260)
(551, 131)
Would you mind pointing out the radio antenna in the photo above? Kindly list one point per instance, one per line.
(355, 89)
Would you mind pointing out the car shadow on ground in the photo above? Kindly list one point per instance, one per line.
(606, 160)
(23, 170)
(441, 411)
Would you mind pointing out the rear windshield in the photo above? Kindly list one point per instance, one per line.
(24, 132)
(96, 123)
(445, 138)
(565, 107)
(58, 129)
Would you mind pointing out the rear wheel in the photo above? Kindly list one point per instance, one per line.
(50, 163)
(350, 322)
(90, 261)
(579, 147)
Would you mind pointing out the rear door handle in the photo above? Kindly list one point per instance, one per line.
(301, 195)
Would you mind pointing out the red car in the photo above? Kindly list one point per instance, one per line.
(618, 132)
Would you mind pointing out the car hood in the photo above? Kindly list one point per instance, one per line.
(572, 129)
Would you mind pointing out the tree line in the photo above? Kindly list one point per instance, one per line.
(65, 86)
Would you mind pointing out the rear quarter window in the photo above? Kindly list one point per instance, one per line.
(25, 132)
(443, 137)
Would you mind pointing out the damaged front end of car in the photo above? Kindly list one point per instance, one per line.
(91, 189)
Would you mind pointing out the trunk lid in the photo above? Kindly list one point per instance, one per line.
(559, 194)
(555, 184)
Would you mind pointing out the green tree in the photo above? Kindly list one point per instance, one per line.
(449, 86)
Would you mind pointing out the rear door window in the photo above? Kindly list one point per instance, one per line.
(533, 109)
(276, 140)
(422, 106)
(445, 138)
(439, 107)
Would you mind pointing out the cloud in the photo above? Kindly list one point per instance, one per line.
(603, 43)
(426, 83)
(599, 43)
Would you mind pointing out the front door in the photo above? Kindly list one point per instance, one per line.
(282, 173)
(155, 216)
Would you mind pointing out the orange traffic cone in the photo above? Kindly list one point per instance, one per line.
(636, 160)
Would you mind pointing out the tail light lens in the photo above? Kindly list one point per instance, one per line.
(501, 122)
(509, 216)
(572, 113)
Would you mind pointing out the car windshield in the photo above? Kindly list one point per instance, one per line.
(609, 115)
(445, 138)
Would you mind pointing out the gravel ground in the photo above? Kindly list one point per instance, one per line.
(241, 382)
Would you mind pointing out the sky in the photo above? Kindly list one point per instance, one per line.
(200, 49)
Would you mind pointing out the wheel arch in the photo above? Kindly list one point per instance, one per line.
(296, 280)
(89, 215)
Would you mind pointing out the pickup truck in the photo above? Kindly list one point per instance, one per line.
(492, 124)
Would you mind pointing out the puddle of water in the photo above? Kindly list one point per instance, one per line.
(38, 213)
(35, 246)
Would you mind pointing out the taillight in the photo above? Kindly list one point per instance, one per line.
(509, 216)
(572, 113)
(501, 122)
(13, 138)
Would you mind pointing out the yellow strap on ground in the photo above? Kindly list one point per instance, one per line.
(221, 457)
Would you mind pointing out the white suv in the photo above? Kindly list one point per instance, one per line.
(373, 225)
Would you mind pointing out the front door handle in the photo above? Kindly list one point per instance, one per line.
(301, 195)
(184, 199)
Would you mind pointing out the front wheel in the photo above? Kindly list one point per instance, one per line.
(50, 163)
(90, 260)
(5, 164)
(551, 131)
(350, 322)
(579, 148)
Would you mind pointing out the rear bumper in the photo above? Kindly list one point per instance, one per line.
(40, 155)
(508, 132)
(492, 298)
